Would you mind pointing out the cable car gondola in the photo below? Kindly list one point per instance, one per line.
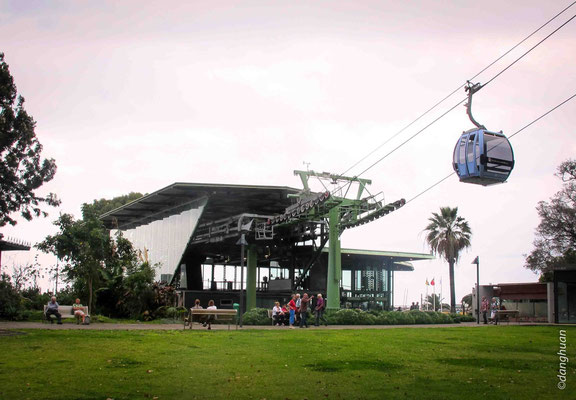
(482, 157)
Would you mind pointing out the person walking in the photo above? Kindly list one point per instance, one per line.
(292, 306)
(304, 310)
(484, 308)
(319, 309)
(494, 313)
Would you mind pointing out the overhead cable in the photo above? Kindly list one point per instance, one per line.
(461, 86)
(511, 136)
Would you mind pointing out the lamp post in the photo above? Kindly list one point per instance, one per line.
(242, 242)
(477, 262)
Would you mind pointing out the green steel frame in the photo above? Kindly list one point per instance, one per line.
(340, 213)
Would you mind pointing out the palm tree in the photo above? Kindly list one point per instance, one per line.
(436, 303)
(448, 234)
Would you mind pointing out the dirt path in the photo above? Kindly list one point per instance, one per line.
(104, 326)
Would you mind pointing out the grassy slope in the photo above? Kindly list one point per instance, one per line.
(440, 363)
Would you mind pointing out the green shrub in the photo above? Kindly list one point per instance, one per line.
(161, 312)
(385, 318)
(10, 301)
(66, 297)
(434, 317)
(330, 316)
(457, 318)
(421, 317)
(445, 318)
(100, 318)
(35, 299)
(352, 317)
(404, 318)
(256, 316)
(346, 317)
(30, 315)
(172, 312)
(365, 318)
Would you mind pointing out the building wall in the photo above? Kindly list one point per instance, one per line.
(164, 241)
(565, 296)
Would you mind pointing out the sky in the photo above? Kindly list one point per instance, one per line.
(132, 96)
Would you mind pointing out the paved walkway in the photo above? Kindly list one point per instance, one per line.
(197, 327)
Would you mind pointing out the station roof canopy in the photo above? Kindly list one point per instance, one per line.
(8, 245)
(521, 291)
(223, 201)
(400, 261)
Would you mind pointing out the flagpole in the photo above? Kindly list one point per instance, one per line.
(434, 295)
(427, 294)
(440, 299)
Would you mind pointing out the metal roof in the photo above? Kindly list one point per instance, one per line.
(396, 255)
(10, 244)
(521, 291)
(396, 261)
(222, 201)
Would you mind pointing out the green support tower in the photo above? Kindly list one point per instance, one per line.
(334, 209)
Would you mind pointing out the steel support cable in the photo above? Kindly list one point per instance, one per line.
(458, 88)
(444, 114)
(510, 137)
(529, 50)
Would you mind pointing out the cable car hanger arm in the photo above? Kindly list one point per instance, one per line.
(471, 89)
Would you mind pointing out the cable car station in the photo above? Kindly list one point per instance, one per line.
(215, 240)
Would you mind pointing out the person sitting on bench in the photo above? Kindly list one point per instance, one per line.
(52, 309)
(79, 312)
(197, 306)
(210, 318)
(285, 315)
(277, 315)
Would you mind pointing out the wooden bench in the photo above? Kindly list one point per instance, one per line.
(65, 311)
(505, 315)
(220, 315)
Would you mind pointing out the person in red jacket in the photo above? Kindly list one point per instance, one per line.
(292, 306)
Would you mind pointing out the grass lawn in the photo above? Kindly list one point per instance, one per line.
(504, 362)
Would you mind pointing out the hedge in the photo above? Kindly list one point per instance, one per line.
(259, 316)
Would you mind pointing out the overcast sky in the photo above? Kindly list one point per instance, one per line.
(135, 95)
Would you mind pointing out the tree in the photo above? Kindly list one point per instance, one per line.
(22, 171)
(435, 302)
(83, 247)
(448, 234)
(127, 290)
(10, 303)
(555, 242)
(22, 275)
(466, 301)
(104, 268)
(102, 206)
